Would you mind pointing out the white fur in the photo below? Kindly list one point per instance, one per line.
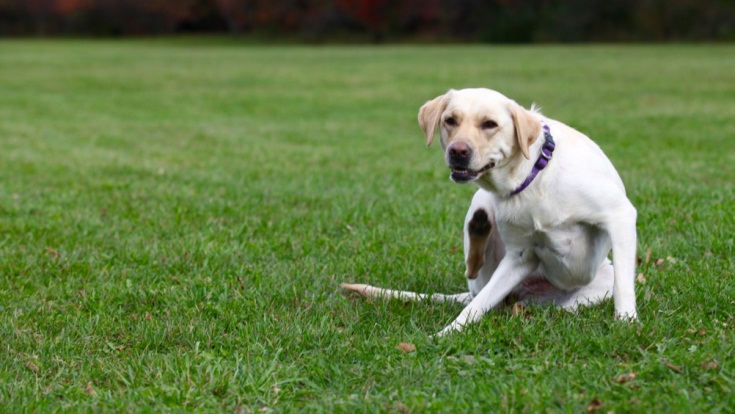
(561, 228)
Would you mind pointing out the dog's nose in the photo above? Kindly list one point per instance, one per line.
(460, 153)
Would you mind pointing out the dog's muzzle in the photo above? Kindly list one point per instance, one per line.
(459, 156)
(465, 175)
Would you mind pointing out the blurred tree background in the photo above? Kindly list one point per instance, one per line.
(509, 21)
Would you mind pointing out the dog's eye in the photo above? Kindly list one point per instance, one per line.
(450, 121)
(489, 125)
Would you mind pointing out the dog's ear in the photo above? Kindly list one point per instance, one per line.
(430, 114)
(527, 127)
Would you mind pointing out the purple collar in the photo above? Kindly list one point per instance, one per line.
(546, 151)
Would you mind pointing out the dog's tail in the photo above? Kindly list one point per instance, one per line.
(376, 292)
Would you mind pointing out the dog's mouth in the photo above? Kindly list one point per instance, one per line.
(464, 175)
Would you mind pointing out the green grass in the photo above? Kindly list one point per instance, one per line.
(176, 216)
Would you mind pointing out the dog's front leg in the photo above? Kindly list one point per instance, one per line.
(512, 270)
(623, 238)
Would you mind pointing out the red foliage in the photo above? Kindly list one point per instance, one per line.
(373, 14)
(68, 7)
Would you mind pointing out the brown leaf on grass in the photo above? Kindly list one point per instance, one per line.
(648, 255)
(53, 253)
(660, 263)
(398, 407)
(33, 367)
(520, 310)
(701, 332)
(595, 405)
(89, 390)
(622, 379)
(710, 365)
(406, 347)
(675, 368)
(517, 309)
(641, 278)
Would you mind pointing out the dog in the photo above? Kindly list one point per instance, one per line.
(549, 210)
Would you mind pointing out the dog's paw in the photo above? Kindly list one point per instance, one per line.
(449, 329)
(627, 316)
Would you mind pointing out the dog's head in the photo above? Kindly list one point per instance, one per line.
(480, 130)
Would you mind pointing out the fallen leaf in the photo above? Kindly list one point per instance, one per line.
(648, 255)
(641, 278)
(659, 263)
(33, 367)
(406, 347)
(675, 368)
(399, 407)
(520, 310)
(517, 309)
(702, 332)
(89, 390)
(710, 365)
(622, 379)
(595, 405)
(50, 252)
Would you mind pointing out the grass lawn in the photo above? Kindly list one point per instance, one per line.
(176, 217)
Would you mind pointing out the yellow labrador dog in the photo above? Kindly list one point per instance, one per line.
(549, 209)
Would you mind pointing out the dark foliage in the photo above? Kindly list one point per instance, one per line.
(509, 21)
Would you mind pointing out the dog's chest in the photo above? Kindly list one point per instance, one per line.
(539, 227)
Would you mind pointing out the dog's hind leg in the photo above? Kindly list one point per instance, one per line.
(600, 288)
(376, 292)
